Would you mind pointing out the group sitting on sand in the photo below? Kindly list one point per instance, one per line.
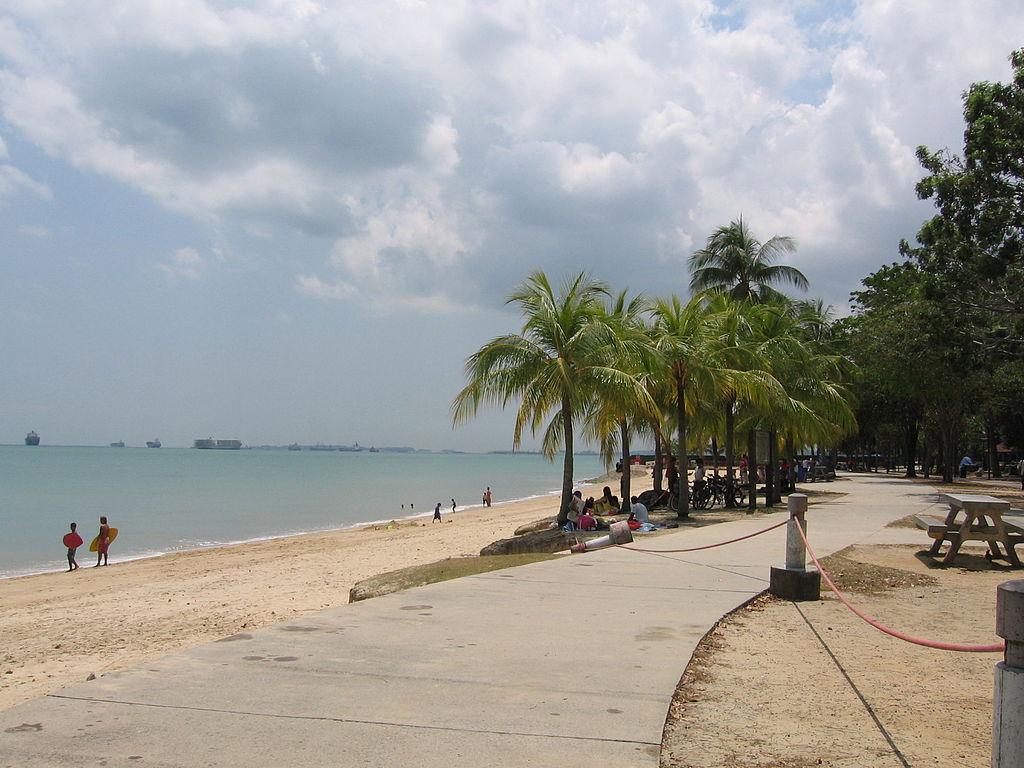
(585, 515)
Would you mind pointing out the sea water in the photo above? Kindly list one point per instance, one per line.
(172, 499)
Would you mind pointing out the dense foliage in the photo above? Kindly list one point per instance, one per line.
(939, 336)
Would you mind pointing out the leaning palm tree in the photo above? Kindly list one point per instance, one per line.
(553, 366)
(733, 261)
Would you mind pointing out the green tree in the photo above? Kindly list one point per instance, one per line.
(736, 262)
(618, 413)
(687, 339)
(553, 367)
(973, 249)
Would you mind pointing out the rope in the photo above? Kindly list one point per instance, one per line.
(994, 648)
(706, 546)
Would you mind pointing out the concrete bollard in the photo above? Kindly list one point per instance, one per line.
(796, 553)
(795, 582)
(1008, 702)
(620, 534)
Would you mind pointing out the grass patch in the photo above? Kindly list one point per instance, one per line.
(442, 570)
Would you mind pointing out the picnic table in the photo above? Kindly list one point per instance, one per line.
(977, 510)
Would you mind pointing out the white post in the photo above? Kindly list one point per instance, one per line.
(795, 582)
(796, 554)
(1008, 710)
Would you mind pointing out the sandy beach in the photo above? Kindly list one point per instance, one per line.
(59, 628)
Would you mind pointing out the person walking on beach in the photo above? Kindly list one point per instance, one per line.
(72, 541)
(437, 513)
(104, 543)
(453, 506)
(487, 497)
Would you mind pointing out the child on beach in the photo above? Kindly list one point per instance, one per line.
(487, 497)
(453, 505)
(104, 543)
(437, 513)
(72, 541)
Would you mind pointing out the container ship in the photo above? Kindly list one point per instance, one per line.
(32, 438)
(153, 443)
(218, 445)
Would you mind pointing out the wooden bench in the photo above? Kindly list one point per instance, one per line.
(977, 510)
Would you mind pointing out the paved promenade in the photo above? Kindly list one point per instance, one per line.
(565, 663)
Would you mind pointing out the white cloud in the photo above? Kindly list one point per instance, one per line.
(310, 285)
(185, 263)
(447, 149)
(33, 230)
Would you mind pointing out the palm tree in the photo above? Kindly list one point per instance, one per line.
(620, 413)
(553, 366)
(735, 262)
(686, 337)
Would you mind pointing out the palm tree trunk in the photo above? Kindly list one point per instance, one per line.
(659, 458)
(624, 483)
(776, 488)
(770, 471)
(684, 460)
(751, 470)
(567, 468)
(791, 458)
(730, 434)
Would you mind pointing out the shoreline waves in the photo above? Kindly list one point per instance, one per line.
(206, 546)
(61, 627)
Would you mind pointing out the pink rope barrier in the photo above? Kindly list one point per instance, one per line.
(706, 546)
(993, 648)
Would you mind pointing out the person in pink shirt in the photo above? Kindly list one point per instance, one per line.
(587, 522)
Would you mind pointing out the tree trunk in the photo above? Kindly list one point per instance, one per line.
(659, 461)
(948, 430)
(926, 458)
(567, 468)
(627, 474)
(791, 457)
(994, 470)
(771, 472)
(751, 471)
(730, 434)
(684, 460)
(911, 429)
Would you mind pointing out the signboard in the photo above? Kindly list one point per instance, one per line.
(761, 437)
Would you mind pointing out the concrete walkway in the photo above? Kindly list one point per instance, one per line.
(565, 663)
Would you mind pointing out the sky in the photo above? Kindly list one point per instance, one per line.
(293, 221)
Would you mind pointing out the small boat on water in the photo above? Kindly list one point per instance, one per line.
(118, 444)
(294, 447)
(218, 445)
(153, 443)
(374, 450)
(32, 438)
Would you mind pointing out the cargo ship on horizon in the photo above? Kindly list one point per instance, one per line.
(218, 445)
(32, 438)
